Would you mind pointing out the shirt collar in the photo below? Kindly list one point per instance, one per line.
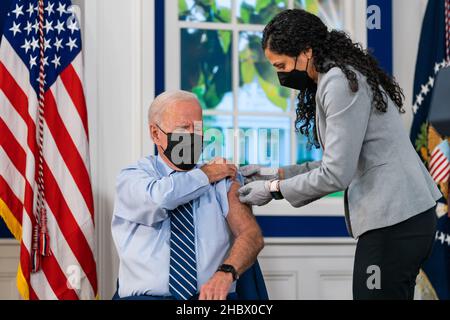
(163, 168)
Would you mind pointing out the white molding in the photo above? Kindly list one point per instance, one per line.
(308, 271)
(406, 26)
(9, 259)
(280, 114)
(221, 26)
(308, 250)
(89, 9)
(323, 207)
(9, 243)
(136, 77)
(287, 280)
(356, 26)
(332, 241)
(147, 70)
(172, 37)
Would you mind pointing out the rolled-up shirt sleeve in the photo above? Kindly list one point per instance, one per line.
(144, 197)
(223, 188)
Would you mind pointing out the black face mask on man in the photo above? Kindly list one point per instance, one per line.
(183, 149)
(297, 80)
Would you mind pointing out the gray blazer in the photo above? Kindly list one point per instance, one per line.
(368, 154)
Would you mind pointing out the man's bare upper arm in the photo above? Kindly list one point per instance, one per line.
(240, 217)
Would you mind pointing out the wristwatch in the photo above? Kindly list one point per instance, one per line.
(274, 189)
(227, 268)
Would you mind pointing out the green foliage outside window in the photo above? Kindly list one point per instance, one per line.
(253, 64)
(204, 10)
(206, 64)
(260, 13)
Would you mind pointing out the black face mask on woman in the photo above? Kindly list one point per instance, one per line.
(296, 79)
(183, 149)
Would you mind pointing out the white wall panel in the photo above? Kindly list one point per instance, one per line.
(308, 269)
(9, 259)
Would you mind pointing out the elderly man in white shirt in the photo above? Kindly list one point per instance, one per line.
(179, 228)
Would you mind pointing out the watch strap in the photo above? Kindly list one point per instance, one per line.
(227, 268)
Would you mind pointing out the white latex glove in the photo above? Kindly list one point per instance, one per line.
(256, 193)
(254, 172)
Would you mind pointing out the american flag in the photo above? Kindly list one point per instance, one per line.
(44, 130)
(440, 162)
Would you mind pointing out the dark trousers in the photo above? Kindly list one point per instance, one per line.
(388, 260)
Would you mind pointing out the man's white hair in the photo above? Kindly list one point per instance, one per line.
(166, 99)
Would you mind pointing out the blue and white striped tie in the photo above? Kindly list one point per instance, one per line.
(183, 265)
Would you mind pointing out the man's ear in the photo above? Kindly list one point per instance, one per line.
(154, 133)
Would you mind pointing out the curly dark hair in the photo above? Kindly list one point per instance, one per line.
(294, 31)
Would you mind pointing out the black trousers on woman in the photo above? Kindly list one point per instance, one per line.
(388, 260)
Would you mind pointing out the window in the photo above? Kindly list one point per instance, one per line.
(213, 50)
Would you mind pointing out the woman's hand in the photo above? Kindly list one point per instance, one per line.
(255, 172)
(255, 193)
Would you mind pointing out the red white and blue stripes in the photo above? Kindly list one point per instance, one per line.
(440, 162)
(45, 188)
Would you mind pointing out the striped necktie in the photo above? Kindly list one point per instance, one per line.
(183, 265)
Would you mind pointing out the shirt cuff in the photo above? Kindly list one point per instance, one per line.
(288, 193)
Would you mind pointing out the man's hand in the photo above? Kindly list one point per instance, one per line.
(217, 287)
(255, 193)
(219, 169)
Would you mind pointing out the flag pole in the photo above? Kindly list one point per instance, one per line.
(447, 43)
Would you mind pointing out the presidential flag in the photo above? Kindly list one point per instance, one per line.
(434, 54)
(45, 191)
